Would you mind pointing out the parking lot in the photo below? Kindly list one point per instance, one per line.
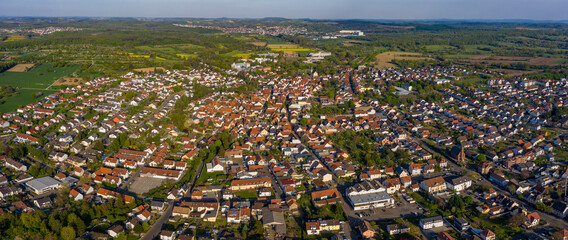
(401, 209)
(144, 184)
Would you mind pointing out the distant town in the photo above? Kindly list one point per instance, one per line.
(278, 145)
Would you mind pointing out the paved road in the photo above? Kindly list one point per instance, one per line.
(157, 227)
(274, 181)
(457, 169)
(195, 177)
(550, 219)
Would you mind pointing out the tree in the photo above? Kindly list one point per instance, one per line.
(517, 220)
(121, 236)
(32, 220)
(68, 233)
(455, 205)
(63, 195)
(244, 231)
(512, 189)
(18, 151)
(85, 179)
(145, 226)
(138, 228)
(54, 224)
(540, 206)
(473, 176)
(99, 145)
(468, 200)
(481, 158)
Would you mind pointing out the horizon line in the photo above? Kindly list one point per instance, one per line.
(307, 18)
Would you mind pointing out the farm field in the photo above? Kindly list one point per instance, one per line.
(13, 38)
(508, 60)
(21, 68)
(238, 54)
(260, 44)
(514, 73)
(68, 81)
(33, 81)
(186, 56)
(384, 59)
(24, 97)
(439, 47)
(134, 55)
(149, 70)
(288, 48)
(167, 52)
(38, 78)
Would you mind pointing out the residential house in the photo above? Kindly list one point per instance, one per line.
(366, 229)
(458, 183)
(115, 230)
(560, 209)
(487, 235)
(533, 219)
(433, 185)
(325, 197)
(215, 165)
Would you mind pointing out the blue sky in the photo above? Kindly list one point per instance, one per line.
(316, 9)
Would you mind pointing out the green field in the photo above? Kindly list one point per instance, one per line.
(276, 41)
(24, 97)
(439, 47)
(171, 51)
(33, 81)
(458, 56)
(238, 54)
(39, 78)
(248, 194)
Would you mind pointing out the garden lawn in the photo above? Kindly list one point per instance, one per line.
(248, 194)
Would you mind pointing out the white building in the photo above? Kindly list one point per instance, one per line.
(43, 185)
(371, 200)
(368, 194)
(431, 222)
(459, 184)
(215, 165)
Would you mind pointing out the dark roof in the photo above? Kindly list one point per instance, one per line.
(457, 180)
(116, 228)
(559, 206)
(431, 219)
(398, 226)
(461, 221)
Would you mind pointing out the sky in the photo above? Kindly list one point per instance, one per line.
(314, 9)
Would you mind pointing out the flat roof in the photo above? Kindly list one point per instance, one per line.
(42, 183)
(370, 198)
